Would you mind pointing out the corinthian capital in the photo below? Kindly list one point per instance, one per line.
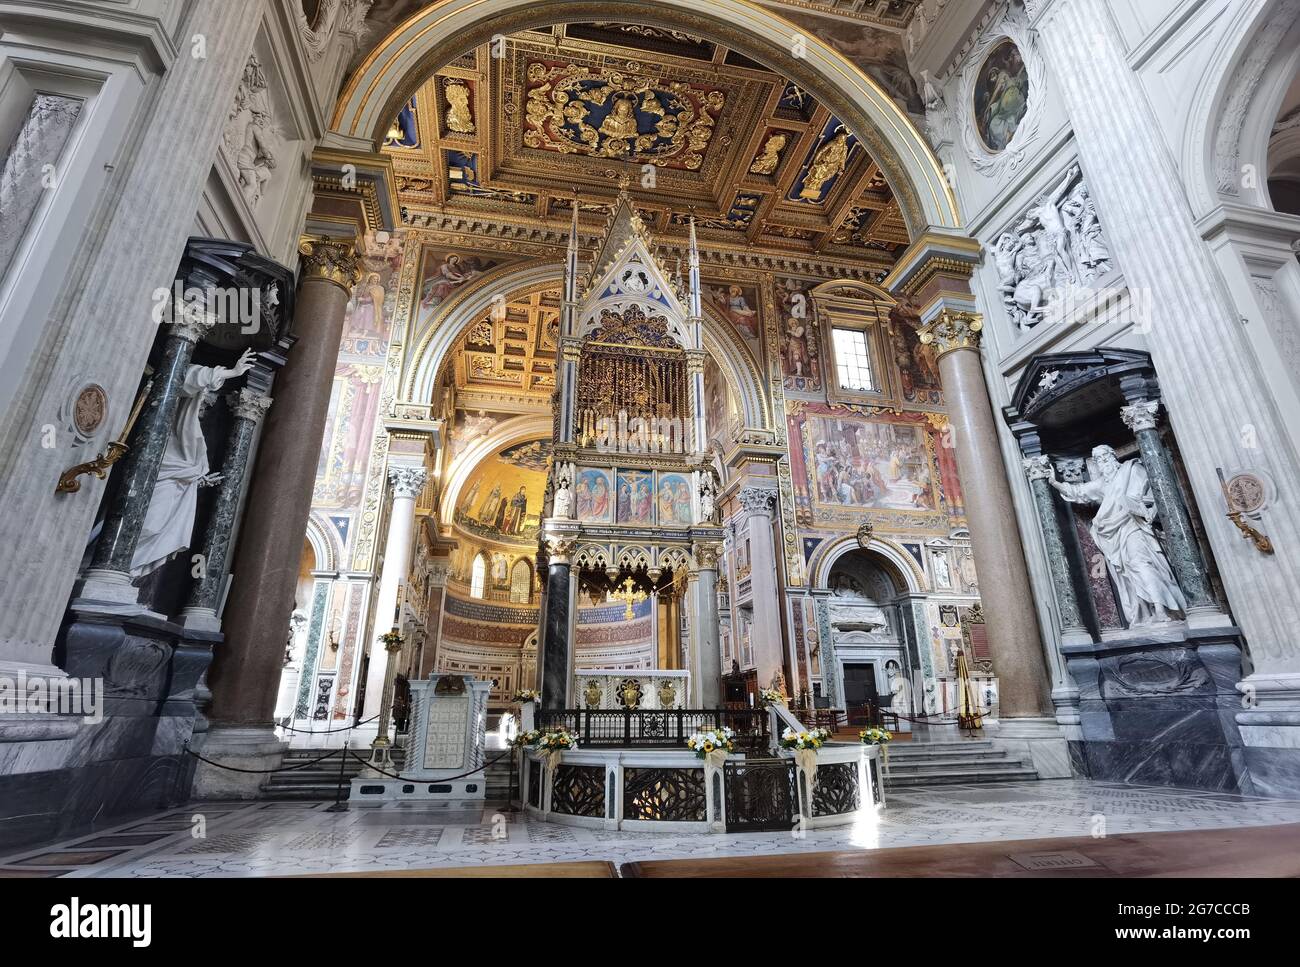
(951, 330)
(1038, 468)
(249, 404)
(330, 260)
(707, 554)
(1140, 415)
(756, 500)
(558, 549)
(407, 481)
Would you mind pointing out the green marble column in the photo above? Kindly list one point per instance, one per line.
(1180, 541)
(1038, 469)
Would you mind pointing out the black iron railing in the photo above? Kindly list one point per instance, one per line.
(656, 728)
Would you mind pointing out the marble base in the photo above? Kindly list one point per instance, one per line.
(1160, 711)
(101, 586)
(243, 748)
(470, 788)
(1037, 741)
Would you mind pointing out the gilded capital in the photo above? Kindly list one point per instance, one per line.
(558, 549)
(330, 260)
(952, 330)
(706, 555)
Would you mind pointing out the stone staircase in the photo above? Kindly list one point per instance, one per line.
(948, 762)
(321, 781)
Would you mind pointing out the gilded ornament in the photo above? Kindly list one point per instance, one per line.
(827, 163)
(768, 159)
(459, 116)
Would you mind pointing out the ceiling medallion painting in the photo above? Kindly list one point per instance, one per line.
(579, 110)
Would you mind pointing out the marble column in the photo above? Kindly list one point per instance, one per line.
(555, 656)
(1005, 589)
(245, 673)
(405, 482)
(1212, 382)
(380, 755)
(247, 406)
(109, 576)
(706, 660)
(765, 633)
(1039, 470)
(1180, 542)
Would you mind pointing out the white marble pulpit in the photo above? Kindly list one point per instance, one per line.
(444, 749)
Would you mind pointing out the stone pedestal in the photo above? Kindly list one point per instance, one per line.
(995, 539)
(243, 747)
(245, 674)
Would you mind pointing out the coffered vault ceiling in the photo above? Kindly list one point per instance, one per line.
(761, 162)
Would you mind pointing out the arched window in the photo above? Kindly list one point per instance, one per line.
(521, 582)
(478, 577)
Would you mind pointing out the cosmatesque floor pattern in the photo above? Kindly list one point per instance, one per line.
(283, 838)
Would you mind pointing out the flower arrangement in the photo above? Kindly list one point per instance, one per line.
(771, 696)
(528, 738)
(711, 740)
(525, 695)
(874, 736)
(556, 740)
(823, 734)
(392, 639)
(790, 739)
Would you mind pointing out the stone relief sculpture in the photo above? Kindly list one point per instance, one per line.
(249, 137)
(1124, 533)
(169, 522)
(39, 142)
(1057, 244)
(850, 609)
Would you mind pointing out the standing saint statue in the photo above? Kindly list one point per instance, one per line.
(827, 163)
(1123, 532)
(169, 522)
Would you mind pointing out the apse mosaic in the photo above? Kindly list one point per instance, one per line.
(1001, 95)
(848, 462)
(502, 501)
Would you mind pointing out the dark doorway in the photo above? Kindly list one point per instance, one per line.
(859, 685)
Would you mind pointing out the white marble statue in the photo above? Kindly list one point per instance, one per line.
(708, 497)
(849, 608)
(169, 522)
(562, 502)
(1124, 534)
(249, 135)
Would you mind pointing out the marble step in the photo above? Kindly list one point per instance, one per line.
(899, 781)
(930, 756)
(953, 764)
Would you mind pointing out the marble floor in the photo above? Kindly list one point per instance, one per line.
(284, 838)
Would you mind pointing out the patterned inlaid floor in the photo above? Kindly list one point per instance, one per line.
(266, 839)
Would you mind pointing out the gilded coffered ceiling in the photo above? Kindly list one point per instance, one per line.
(506, 359)
(509, 131)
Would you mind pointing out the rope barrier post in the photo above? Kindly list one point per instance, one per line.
(339, 805)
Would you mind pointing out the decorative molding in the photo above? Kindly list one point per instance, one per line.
(1014, 26)
(1245, 82)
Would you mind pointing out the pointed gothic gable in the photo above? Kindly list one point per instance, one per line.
(626, 263)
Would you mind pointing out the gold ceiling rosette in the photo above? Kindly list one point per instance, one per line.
(609, 114)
